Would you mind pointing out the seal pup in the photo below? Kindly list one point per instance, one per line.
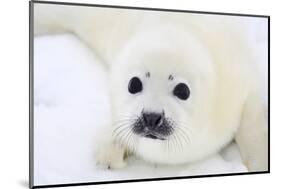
(182, 85)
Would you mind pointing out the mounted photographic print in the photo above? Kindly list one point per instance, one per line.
(124, 94)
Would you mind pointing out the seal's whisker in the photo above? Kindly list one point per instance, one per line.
(173, 143)
(166, 145)
(118, 128)
(184, 134)
(123, 137)
(179, 140)
(184, 128)
(132, 116)
(184, 137)
(128, 120)
(183, 125)
(134, 144)
(116, 134)
(130, 142)
(169, 145)
(127, 137)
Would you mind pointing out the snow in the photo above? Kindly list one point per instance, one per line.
(71, 102)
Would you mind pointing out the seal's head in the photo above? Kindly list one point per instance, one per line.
(163, 88)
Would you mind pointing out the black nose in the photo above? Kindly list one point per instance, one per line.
(152, 120)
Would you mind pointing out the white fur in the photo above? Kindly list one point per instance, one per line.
(208, 53)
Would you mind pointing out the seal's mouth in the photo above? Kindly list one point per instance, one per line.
(152, 136)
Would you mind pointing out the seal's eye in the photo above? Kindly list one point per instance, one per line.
(135, 85)
(181, 91)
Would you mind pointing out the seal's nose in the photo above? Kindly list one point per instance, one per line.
(152, 120)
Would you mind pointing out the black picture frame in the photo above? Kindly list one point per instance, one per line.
(31, 93)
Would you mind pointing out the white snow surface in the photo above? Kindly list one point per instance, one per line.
(71, 102)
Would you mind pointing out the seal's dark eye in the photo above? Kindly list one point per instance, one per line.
(135, 85)
(181, 91)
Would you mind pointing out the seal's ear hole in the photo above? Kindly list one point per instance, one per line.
(135, 85)
(181, 91)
